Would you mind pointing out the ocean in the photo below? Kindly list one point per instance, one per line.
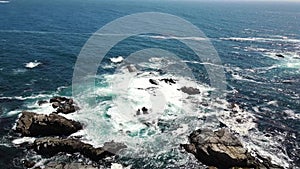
(258, 44)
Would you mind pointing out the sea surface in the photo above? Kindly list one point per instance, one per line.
(40, 42)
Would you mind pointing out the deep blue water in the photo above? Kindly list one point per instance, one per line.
(246, 36)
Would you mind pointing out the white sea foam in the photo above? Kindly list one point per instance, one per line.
(179, 38)
(261, 39)
(4, 2)
(31, 65)
(23, 140)
(117, 119)
(118, 59)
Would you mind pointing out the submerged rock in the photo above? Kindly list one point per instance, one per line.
(223, 150)
(32, 124)
(41, 102)
(190, 90)
(50, 146)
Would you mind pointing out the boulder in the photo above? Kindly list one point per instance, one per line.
(280, 55)
(222, 149)
(190, 90)
(32, 124)
(152, 81)
(50, 146)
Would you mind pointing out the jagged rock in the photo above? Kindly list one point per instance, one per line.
(153, 81)
(145, 110)
(50, 146)
(223, 150)
(64, 105)
(41, 102)
(32, 124)
(190, 90)
(169, 81)
(280, 55)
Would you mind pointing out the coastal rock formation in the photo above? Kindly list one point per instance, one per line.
(222, 149)
(64, 105)
(32, 124)
(50, 146)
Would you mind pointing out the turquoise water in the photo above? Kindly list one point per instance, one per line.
(247, 36)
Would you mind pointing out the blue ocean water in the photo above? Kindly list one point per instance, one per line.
(246, 35)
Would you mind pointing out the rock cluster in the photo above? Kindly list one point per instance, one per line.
(223, 150)
(32, 124)
(59, 128)
(63, 105)
(50, 146)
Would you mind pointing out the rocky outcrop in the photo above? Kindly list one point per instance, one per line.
(50, 146)
(32, 124)
(63, 105)
(223, 150)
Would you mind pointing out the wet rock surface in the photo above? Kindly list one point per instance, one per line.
(223, 150)
(190, 90)
(50, 146)
(64, 105)
(32, 124)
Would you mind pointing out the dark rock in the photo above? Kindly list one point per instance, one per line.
(280, 55)
(40, 102)
(32, 124)
(169, 81)
(145, 110)
(153, 81)
(58, 99)
(50, 146)
(55, 105)
(190, 90)
(64, 105)
(138, 112)
(223, 150)
(28, 164)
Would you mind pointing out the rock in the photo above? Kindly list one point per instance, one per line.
(145, 110)
(50, 146)
(28, 164)
(58, 99)
(131, 68)
(222, 149)
(32, 124)
(190, 90)
(64, 105)
(69, 165)
(41, 102)
(138, 112)
(169, 81)
(153, 81)
(280, 55)
(55, 105)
